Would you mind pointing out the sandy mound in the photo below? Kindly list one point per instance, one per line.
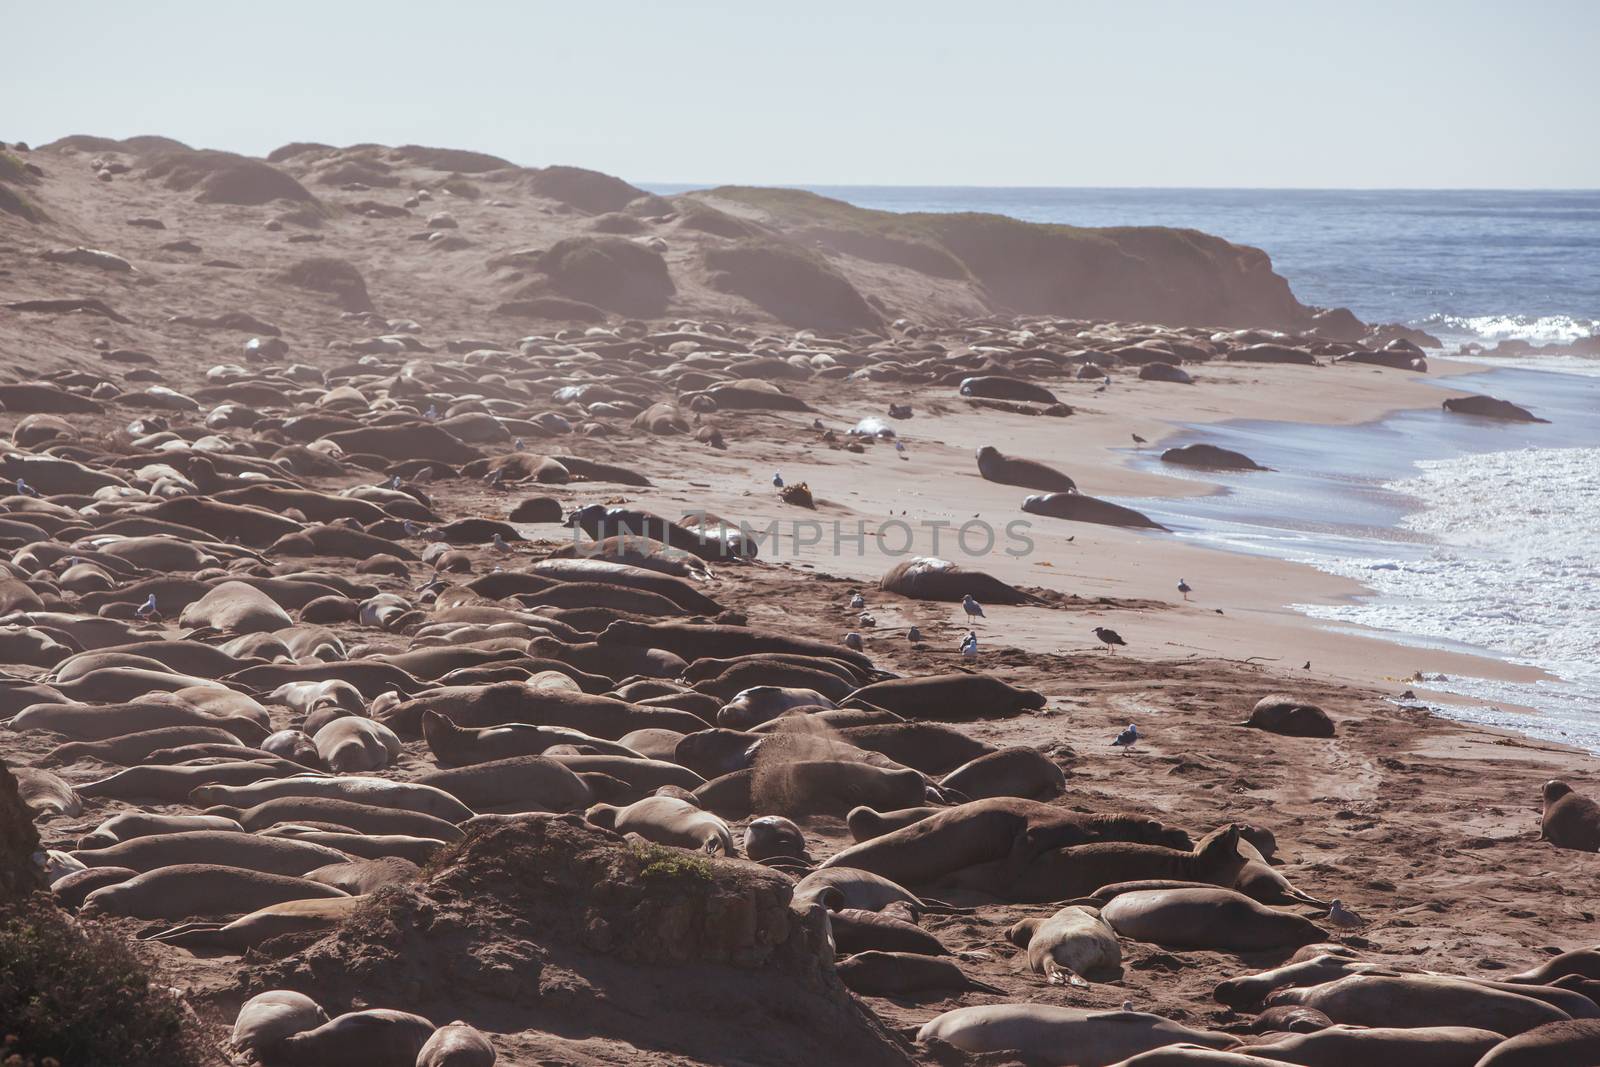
(335, 277)
(608, 272)
(13, 201)
(224, 178)
(551, 925)
(791, 285)
(586, 190)
(456, 160)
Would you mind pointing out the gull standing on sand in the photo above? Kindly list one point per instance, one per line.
(1126, 738)
(148, 608)
(858, 602)
(777, 480)
(1138, 442)
(24, 489)
(1108, 637)
(969, 645)
(914, 636)
(852, 640)
(973, 609)
(500, 545)
(1183, 587)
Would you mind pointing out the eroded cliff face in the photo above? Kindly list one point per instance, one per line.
(19, 875)
(459, 239)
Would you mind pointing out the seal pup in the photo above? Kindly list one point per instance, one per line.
(1570, 819)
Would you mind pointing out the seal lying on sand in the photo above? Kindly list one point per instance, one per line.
(1073, 944)
(1030, 474)
(1216, 919)
(1048, 1034)
(1570, 820)
(667, 821)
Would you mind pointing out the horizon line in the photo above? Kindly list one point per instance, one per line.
(803, 186)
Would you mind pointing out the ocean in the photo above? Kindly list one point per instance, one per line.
(1471, 535)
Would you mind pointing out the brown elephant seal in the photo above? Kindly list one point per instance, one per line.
(1068, 873)
(223, 848)
(1185, 1054)
(1382, 1046)
(351, 744)
(830, 787)
(772, 837)
(267, 1018)
(875, 973)
(174, 784)
(1421, 1000)
(667, 821)
(839, 888)
(360, 818)
(1289, 1019)
(456, 1045)
(1569, 1044)
(1290, 716)
(1029, 474)
(71, 889)
(200, 889)
(763, 703)
(865, 823)
(1584, 962)
(1070, 946)
(249, 931)
(378, 792)
(419, 850)
(378, 1037)
(928, 747)
(514, 785)
(1061, 1036)
(294, 745)
(1076, 507)
(46, 794)
(359, 877)
(1019, 771)
(947, 698)
(858, 930)
(132, 824)
(460, 746)
(131, 748)
(985, 831)
(1213, 918)
(1571, 820)
(1308, 968)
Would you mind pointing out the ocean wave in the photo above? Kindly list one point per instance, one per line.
(1541, 329)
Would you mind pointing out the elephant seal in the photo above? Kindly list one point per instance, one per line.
(858, 930)
(763, 703)
(132, 824)
(1067, 873)
(235, 608)
(1060, 1036)
(1309, 967)
(1569, 1044)
(986, 831)
(1019, 771)
(295, 746)
(1002, 387)
(359, 877)
(928, 747)
(1280, 713)
(1584, 962)
(947, 698)
(1213, 918)
(378, 1037)
(1489, 407)
(1070, 946)
(1382, 1046)
(456, 1045)
(351, 744)
(875, 973)
(357, 817)
(839, 888)
(378, 792)
(132, 748)
(1076, 507)
(1570, 820)
(223, 848)
(693, 641)
(1210, 457)
(460, 746)
(812, 787)
(772, 837)
(197, 889)
(267, 1018)
(1289, 1019)
(1185, 1054)
(275, 920)
(866, 823)
(667, 821)
(71, 889)
(46, 794)
(1421, 1000)
(1027, 473)
(518, 784)
(173, 784)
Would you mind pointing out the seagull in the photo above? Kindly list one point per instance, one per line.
(1340, 915)
(1126, 738)
(969, 645)
(852, 640)
(500, 544)
(411, 528)
(1138, 442)
(858, 602)
(1183, 587)
(900, 447)
(972, 608)
(816, 424)
(24, 489)
(867, 619)
(432, 412)
(148, 608)
(519, 444)
(914, 636)
(1127, 1005)
(394, 482)
(1108, 637)
(1307, 667)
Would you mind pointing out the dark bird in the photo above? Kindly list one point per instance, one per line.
(1183, 587)
(1108, 637)
(1307, 667)
(1126, 738)
(1138, 442)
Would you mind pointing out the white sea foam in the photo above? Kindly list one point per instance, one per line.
(1509, 562)
(1543, 329)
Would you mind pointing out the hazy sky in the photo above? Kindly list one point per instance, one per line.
(1377, 93)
